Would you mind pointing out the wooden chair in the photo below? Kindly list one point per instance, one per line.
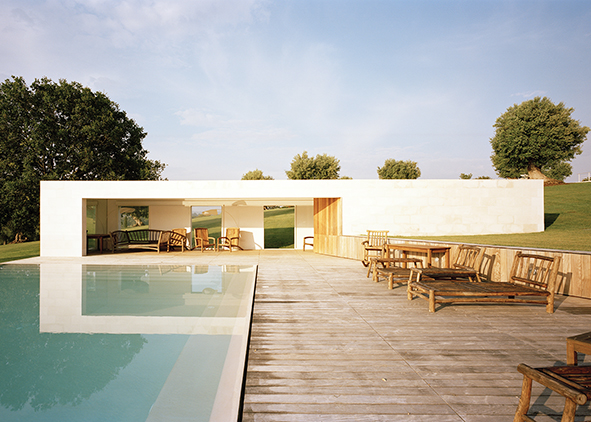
(374, 245)
(203, 240)
(177, 238)
(231, 240)
(571, 382)
(309, 241)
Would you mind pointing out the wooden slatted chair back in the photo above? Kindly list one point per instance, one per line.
(231, 239)
(233, 234)
(377, 238)
(201, 233)
(469, 258)
(180, 240)
(202, 238)
(536, 271)
(177, 237)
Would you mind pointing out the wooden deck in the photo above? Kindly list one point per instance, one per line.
(329, 344)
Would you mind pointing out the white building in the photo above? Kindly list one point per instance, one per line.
(323, 208)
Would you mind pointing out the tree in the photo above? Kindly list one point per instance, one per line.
(61, 131)
(393, 169)
(468, 176)
(305, 168)
(535, 137)
(255, 175)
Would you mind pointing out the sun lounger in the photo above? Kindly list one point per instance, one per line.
(532, 280)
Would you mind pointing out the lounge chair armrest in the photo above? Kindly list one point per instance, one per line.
(553, 384)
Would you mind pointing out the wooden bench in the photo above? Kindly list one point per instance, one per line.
(149, 239)
(532, 280)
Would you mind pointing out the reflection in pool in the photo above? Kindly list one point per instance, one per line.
(123, 343)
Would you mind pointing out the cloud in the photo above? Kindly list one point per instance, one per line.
(529, 94)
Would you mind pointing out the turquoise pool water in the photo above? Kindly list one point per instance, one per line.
(123, 343)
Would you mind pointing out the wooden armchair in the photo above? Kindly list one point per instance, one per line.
(203, 240)
(231, 240)
(177, 238)
(374, 245)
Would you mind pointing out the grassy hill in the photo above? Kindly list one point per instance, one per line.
(279, 228)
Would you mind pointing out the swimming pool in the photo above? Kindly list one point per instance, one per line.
(123, 343)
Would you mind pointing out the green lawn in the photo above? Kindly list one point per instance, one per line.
(279, 224)
(567, 218)
(19, 251)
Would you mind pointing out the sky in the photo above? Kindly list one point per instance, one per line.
(223, 87)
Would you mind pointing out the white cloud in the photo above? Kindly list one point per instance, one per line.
(529, 94)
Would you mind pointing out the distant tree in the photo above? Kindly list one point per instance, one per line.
(305, 168)
(536, 136)
(255, 175)
(393, 169)
(468, 176)
(61, 131)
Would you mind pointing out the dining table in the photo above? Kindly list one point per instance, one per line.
(430, 250)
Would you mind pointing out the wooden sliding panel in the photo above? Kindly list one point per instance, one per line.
(327, 225)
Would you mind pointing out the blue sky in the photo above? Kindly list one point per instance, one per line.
(227, 86)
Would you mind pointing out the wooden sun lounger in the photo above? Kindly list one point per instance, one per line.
(532, 281)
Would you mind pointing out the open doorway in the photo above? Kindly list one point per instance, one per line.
(279, 226)
(209, 217)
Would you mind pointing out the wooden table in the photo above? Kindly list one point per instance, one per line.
(405, 248)
(580, 343)
(99, 238)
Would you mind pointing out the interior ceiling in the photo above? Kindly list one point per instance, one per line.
(248, 202)
(200, 202)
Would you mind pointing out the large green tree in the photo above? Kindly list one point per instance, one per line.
(393, 169)
(536, 137)
(61, 131)
(322, 167)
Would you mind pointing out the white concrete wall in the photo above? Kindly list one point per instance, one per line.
(304, 224)
(168, 217)
(250, 221)
(446, 207)
(404, 207)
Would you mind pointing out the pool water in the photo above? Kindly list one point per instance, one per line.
(123, 343)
